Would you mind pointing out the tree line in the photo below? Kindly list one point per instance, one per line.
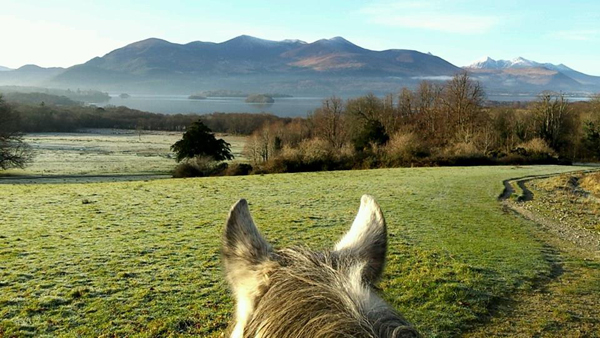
(447, 123)
(48, 117)
(434, 124)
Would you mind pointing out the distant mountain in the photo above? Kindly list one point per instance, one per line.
(4, 69)
(489, 63)
(517, 63)
(29, 75)
(251, 64)
(320, 68)
(520, 73)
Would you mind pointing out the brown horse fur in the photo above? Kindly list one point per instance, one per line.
(299, 293)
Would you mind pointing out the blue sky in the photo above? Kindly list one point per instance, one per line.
(65, 32)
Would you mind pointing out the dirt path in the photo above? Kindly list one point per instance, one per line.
(566, 301)
(578, 236)
(58, 179)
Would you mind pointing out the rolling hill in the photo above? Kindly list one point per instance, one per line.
(29, 75)
(247, 63)
(521, 73)
(320, 68)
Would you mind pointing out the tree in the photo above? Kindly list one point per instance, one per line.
(198, 140)
(373, 132)
(14, 153)
(428, 98)
(552, 116)
(463, 101)
(591, 129)
(264, 143)
(592, 138)
(366, 121)
(328, 122)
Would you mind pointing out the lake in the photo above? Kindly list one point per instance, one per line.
(284, 107)
(180, 104)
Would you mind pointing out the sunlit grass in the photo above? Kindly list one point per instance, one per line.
(107, 152)
(142, 258)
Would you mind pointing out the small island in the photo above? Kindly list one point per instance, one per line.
(197, 97)
(259, 98)
(238, 93)
(124, 96)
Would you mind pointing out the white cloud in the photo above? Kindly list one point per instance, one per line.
(429, 16)
(577, 35)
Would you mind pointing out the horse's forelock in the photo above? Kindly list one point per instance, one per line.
(321, 295)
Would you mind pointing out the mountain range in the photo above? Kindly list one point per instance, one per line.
(322, 67)
(555, 77)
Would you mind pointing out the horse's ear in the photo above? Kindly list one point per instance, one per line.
(366, 239)
(244, 252)
(243, 245)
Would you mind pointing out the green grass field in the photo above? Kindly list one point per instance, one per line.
(107, 151)
(142, 258)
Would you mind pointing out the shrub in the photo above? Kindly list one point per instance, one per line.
(403, 148)
(461, 154)
(373, 132)
(462, 149)
(536, 147)
(314, 150)
(238, 169)
(591, 183)
(199, 167)
(290, 153)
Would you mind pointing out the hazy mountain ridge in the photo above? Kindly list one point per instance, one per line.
(245, 54)
(29, 75)
(322, 67)
(557, 77)
(247, 63)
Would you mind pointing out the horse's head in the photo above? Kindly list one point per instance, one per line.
(301, 293)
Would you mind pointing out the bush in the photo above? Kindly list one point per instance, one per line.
(311, 155)
(238, 169)
(536, 147)
(591, 183)
(463, 150)
(314, 150)
(199, 167)
(373, 132)
(403, 148)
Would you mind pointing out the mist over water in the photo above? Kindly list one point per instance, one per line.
(180, 104)
(283, 107)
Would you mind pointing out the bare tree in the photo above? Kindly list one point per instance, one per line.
(552, 116)
(14, 153)
(406, 102)
(328, 122)
(390, 113)
(428, 99)
(264, 143)
(365, 108)
(463, 101)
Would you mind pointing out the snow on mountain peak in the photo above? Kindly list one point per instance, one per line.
(518, 62)
(484, 63)
(522, 62)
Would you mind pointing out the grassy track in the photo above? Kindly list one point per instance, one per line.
(567, 303)
(142, 258)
